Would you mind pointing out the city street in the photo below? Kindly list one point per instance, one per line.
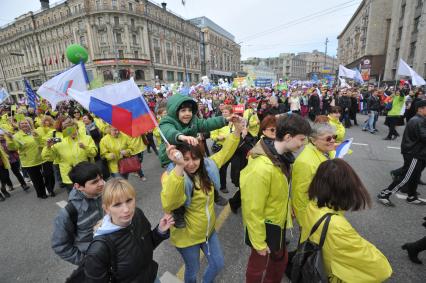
(26, 222)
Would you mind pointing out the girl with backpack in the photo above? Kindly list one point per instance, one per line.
(123, 244)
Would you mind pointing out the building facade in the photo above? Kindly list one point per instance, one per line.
(258, 70)
(289, 66)
(220, 54)
(364, 40)
(124, 38)
(407, 37)
(318, 64)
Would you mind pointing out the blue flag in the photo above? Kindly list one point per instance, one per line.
(32, 97)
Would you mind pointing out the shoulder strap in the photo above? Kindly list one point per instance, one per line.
(324, 229)
(112, 256)
(318, 223)
(73, 214)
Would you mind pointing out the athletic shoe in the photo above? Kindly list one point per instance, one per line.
(384, 200)
(415, 200)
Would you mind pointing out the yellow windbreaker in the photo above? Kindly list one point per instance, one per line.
(28, 147)
(264, 197)
(340, 129)
(253, 123)
(136, 145)
(110, 148)
(347, 256)
(200, 217)
(304, 170)
(68, 153)
(224, 132)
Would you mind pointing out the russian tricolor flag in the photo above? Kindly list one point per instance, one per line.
(120, 105)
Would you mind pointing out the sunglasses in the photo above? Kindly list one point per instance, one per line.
(330, 138)
(271, 129)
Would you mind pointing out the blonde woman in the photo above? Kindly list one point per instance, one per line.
(126, 232)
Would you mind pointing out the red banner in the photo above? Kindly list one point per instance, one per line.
(238, 109)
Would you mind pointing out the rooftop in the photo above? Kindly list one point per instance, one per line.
(204, 22)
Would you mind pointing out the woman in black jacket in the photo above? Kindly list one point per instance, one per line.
(123, 245)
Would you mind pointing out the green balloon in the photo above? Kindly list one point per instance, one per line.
(77, 53)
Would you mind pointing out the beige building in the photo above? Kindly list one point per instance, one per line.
(257, 69)
(319, 64)
(407, 38)
(288, 66)
(220, 55)
(123, 37)
(364, 40)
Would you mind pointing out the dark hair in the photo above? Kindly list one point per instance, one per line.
(188, 104)
(90, 117)
(335, 109)
(197, 153)
(292, 124)
(83, 172)
(268, 121)
(337, 186)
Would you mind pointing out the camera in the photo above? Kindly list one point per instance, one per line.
(55, 140)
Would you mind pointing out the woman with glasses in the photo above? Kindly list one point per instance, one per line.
(322, 141)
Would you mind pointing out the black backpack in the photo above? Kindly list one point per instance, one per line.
(78, 275)
(307, 263)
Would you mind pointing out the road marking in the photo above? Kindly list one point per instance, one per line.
(404, 196)
(393, 147)
(220, 220)
(62, 203)
(363, 144)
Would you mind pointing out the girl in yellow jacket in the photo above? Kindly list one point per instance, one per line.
(193, 177)
(137, 147)
(4, 175)
(347, 256)
(114, 146)
(28, 144)
(71, 150)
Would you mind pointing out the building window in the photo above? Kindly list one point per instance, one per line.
(132, 23)
(170, 76)
(107, 75)
(189, 77)
(114, 4)
(124, 74)
(98, 4)
(134, 39)
(100, 21)
(180, 76)
(416, 24)
(120, 54)
(399, 34)
(82, 40)
(103, 37)
(169, 58)
(131, 7)
(118, 38)
(412, 49)
(158, 74)
(116, 21)
(196, 77)
(136, 54)
(139, 75)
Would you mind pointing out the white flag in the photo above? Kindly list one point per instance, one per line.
(343, 83)
(405, 70)
(358, 78)
(345, 72)
(3, 95)
(55, 90)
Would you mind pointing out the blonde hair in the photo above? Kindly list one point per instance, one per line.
(117, 189)
(48, 118)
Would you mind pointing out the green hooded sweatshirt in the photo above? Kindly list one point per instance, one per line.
(172, 127)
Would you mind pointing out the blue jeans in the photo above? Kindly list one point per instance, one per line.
(191, 257)
(369, 124)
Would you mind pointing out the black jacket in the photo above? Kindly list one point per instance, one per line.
(373, 103)
(345, 103)
(134, 246)
(280, 109)
(314, 104)
(414, 139)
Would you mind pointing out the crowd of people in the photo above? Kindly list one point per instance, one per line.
(103, 231)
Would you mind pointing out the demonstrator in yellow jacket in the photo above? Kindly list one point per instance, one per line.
(114, 146)
(347, 256)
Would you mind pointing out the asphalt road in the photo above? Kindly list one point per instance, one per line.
(26, 222)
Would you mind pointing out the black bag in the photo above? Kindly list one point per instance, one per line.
(78, 275)
(216, 147)
(307, 263)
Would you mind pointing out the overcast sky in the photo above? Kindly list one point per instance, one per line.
(264, 28)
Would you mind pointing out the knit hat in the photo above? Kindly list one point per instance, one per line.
(421, 103)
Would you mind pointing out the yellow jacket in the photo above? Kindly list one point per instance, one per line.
(264, 197)
(304, 170)
(156, 133)
(100, 124)
(28, 147)
(340, 129)
(200, 217)
(347, 256)
(37, 121)
(110, 148)
(4, 158)
(136, 145)
(68, 153)
(45, 133)
(253, 123)
(224, 132)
